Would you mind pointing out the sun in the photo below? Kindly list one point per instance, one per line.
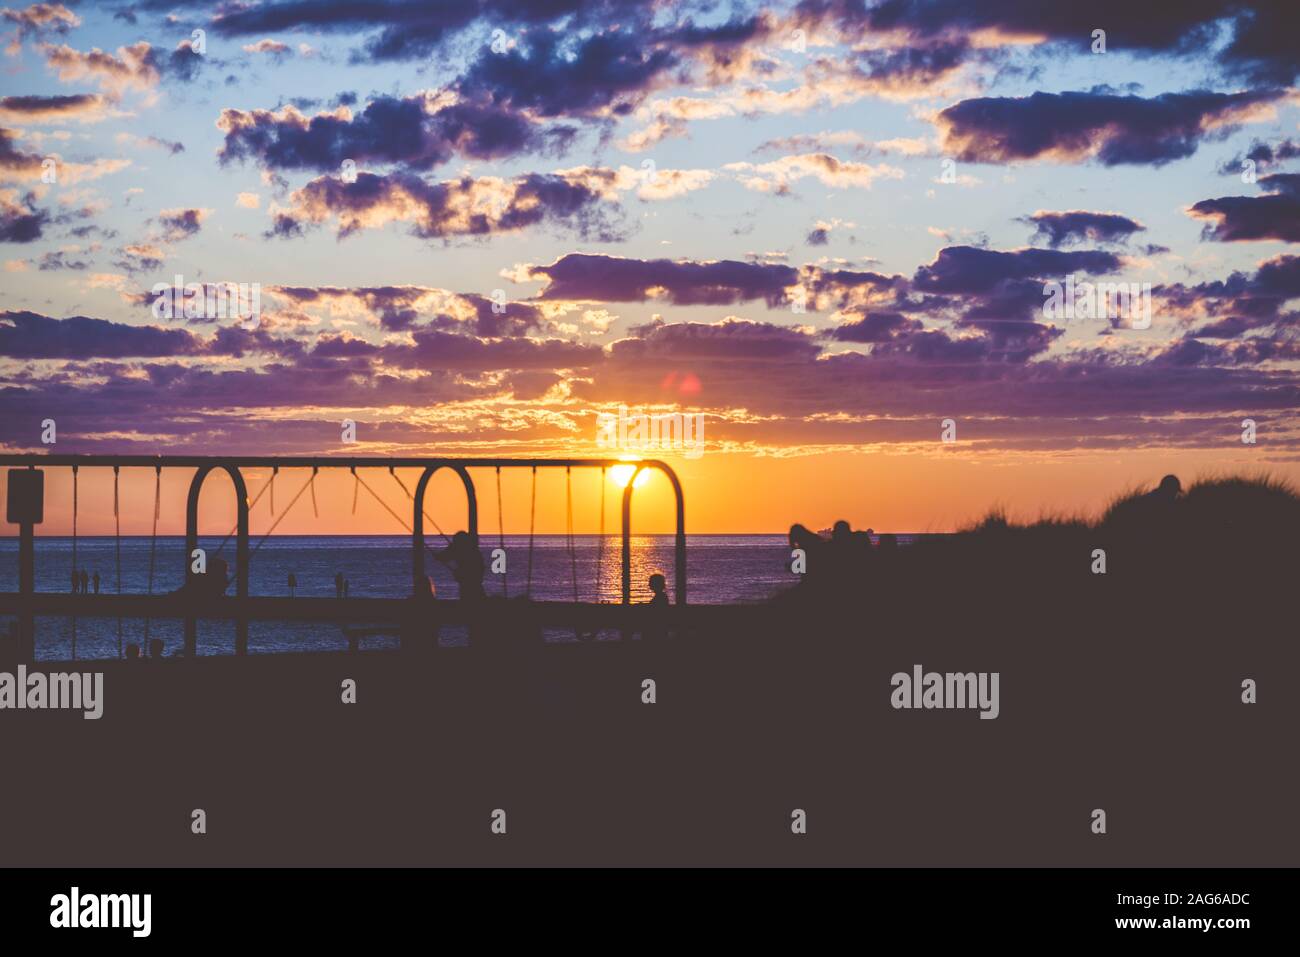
(620, 475)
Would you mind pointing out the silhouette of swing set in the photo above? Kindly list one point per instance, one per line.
(203, 594)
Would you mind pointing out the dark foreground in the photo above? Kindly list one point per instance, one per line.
(1123, 694)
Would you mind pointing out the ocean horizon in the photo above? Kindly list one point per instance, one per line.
(721, 569)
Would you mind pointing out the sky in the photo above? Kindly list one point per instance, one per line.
(829, 228)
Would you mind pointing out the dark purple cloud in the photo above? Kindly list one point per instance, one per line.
(20, 220)
(56, 260)
(1074, 226)
(437, 349)
(551, 75)
(45, 108)
(13, 160)
(613, 279)
(456, 208)
(971, 269)
(178, 224)
(389, 130)
(415, 29)
(913, 66)
(1248, 218)
(1258, 50)
(733, 339)
(876, 327)
(1241, 303)
(28, 335)
(1116, 129)
(1263, 154)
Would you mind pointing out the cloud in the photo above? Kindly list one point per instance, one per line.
(876, 327)
(550, 75)
(1110, 128)
(1263, 154)
(140, 257)
(407, 29)
(28, 335)
(776, 176)
(18, 166)
(20, 220)
(79, 107)
(1077, 225)
(1248, 218)
(820, 234)
(60, 259)
(649, 183)
(415, 29)
(15, 165)
(1241, 303)
(859, 145)
(436, 348)
(417, 133)
(730, 339)
(178, 224)
(400, 308)
(464, 207)
(272, 48)
(153, 142)
(39, 19)
(1257, 51)
(970, 269)
(135, 67)
(584, 277)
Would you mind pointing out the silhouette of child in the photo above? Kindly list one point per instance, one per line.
(656, 608)
(466, 562)
(659, 589)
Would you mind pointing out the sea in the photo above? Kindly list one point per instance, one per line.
(721, 569)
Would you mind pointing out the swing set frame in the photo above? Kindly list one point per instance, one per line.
(233, 466)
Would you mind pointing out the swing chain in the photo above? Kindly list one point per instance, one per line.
(532, 529)
(117, 544)
(153, 547)
(501, 536)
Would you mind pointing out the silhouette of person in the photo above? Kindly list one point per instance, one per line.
(815, 549)
(217, 580)
(345, 588)
(156, 648)
(1167, 492)
(96, 583)
(133, 652)
(76, 582)
(850, 552)
(338, 584)
(659, 590)
(293, 583)
(466, 563)
(85, 582)
(656, 608)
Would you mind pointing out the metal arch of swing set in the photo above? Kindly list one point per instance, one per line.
(232, 465)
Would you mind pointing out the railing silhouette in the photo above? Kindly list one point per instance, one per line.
(232, 465)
